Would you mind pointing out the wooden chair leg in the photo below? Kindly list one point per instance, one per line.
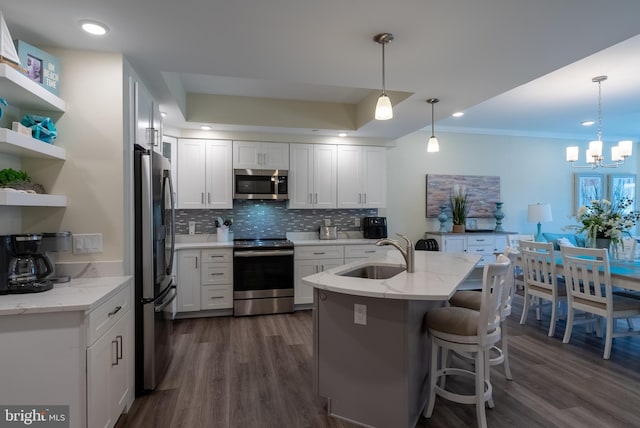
(504, 343)
(609, 339)
(433, 379)
(480, 410)
(552, 326)
(525, 307)
(567, 331)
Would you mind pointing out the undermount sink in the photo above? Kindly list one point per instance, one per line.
(374, 272)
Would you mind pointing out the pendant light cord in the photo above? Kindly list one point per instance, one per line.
(383, 72)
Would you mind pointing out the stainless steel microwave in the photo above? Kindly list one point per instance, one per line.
(260, 184)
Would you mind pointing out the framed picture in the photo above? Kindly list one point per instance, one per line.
(42, 68)
(586, 188)
(471, 224)
(622, 186)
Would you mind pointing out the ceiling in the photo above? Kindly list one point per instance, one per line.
(513, 66)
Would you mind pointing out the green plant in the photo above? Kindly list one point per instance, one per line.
(10, 175)
(459, 200)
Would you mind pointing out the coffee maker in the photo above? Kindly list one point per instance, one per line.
(23, 267)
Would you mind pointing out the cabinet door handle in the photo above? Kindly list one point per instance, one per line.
(365, 198)
(208, 197)
(196, 262)
(217, 297)
(370, 251)
(119, 347)
(264, 159)
(359, 198)
(319, 253)
(310, 198)
(114, 311)
(316, 199)
(202, 198)
(216, 273)
(114, 354)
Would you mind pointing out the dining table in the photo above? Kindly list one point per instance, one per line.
(624, 274)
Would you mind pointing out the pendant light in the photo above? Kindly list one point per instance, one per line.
(594, 157)
(384, 110)
(432, 145)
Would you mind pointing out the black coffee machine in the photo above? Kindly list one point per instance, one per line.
(23, 267)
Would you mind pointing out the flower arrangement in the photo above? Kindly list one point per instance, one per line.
(605, 219)
(459, 200)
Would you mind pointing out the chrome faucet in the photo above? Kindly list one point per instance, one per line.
(408, 252)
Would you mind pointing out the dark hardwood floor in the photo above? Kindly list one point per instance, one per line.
(256, 372)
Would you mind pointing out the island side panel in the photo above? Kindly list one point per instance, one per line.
(374, 374)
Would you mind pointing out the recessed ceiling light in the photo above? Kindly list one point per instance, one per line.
(458, 114)
(587, 123)
(205, 127)
(94, 27)
(342, 134)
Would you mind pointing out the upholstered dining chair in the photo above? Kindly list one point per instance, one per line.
(472, 299)
(467, 331)
(587, 273)
(541, 283)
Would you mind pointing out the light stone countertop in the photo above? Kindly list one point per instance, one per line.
(301, 239)
(81, 294)
(437, 276)
(188, 242)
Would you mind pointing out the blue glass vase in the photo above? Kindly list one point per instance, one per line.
(499, 215)
(442, 218)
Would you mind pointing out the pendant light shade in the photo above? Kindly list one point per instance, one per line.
(384, 110)
(432, 145)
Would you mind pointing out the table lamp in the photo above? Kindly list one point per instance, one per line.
(537, 213)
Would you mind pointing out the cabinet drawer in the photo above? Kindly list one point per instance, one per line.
(363, 251)
(481, 249)
(216, 273)
(480, 240)
(102, 318)
(217, 256)
(319, 252)
(214, 297)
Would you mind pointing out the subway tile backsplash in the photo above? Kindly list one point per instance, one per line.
(268, 219)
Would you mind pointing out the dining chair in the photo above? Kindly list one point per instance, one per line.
(472, 299)
(467, 331)
(541, 281)
(587, 273)
(513, 241)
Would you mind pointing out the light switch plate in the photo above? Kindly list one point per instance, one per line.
(85, 243)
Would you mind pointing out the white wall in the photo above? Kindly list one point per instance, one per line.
(91, 131)
(531, 170)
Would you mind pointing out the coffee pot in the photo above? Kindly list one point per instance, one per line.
(23, 267)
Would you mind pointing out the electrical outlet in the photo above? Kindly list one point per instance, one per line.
(360, 314)
(356, 221)
(327, 222)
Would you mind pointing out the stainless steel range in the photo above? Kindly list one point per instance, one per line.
(262, 276)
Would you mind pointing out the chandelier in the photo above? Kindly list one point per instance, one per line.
(594, 158)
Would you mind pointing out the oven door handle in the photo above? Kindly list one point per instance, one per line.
(267, 253)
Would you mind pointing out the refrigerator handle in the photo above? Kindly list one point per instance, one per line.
(172, 219)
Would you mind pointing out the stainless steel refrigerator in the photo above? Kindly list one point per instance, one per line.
(155, 291)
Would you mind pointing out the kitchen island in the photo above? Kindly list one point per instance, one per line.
(371, 353)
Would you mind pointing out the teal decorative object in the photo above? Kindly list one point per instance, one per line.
(499, 215)
(42, 128)
(442, 218)
(2, 103)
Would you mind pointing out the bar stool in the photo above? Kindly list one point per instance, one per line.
(464, 330)
(472, 300)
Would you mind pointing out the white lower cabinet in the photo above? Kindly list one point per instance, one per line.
(205, 279)
(484, 245)
(188, 287)
(353, 253)
(310, 260)
(216, 291)
(109, 360)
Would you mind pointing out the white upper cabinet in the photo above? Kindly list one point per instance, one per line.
(362, 177)
(257, 155)
(313, 176)
(204, 174)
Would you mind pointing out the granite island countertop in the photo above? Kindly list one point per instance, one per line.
(81, 294)
(437, 276)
